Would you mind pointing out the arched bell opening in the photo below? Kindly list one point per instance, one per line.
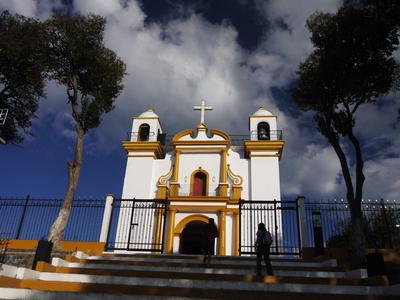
(263, 132)
(192, 239)
(144, 132)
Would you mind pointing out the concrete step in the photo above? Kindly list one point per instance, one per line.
(203, 269)
(176, 287)
(217, 260)
(199, 264)
(375, 281)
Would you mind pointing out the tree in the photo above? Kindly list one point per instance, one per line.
(351, 65)
(92, 76)
(22, 72)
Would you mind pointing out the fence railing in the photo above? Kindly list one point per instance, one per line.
(30, 219)
(280, 218)
(137, 225)
(381, 222)
(133, 222)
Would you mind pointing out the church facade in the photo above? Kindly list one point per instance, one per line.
(203, 173)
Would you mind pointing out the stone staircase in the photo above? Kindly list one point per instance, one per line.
(151, 276)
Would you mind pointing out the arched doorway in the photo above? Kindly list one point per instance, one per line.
(199, 184)
(263, 131)
(192, 238)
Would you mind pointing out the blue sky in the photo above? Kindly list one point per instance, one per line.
(236, 55)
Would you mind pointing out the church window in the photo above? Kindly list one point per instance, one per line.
(263, 131)
(144, 132)
(199, 184)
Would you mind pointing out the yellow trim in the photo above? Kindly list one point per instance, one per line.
(201, 142)
(174, 185)
(202, 149)
(221, 134)
(162, 192)
(265, 155)
(138, 155)
(236, 192)
(222, 232)
(192, 180)
(171, 225)
(273, 116)
(237, 180)
(208, 208)
(202, 127)
(158, 233)
(145, 118)
(182, 134)
(181, 225)
(179, 135)
(91, 248)
(155, 147)
(163, 179)
(197, 198)
(251, 146)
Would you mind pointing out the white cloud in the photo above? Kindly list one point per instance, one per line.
(171, 67)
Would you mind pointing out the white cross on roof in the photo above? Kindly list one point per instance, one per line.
(202, 108)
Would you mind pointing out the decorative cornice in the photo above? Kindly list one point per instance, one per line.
(154, 147)
(236, 179)
(163, 179)
(258, 146)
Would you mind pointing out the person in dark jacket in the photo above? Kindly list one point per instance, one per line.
(263, 243)
(210, 233)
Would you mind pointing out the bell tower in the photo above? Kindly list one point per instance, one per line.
(264, 150)
(143, 148)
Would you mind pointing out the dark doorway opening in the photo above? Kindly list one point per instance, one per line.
(192, 238)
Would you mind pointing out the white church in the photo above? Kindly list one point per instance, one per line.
(203, 174)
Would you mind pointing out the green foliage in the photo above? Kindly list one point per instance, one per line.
(22, 72)
(352, 64)
(79, 61)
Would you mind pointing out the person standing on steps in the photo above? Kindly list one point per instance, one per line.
(210, 233)
(263, 243)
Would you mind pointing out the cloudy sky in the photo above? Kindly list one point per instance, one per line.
(237, 55)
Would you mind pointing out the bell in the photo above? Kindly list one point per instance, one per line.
(262, 134)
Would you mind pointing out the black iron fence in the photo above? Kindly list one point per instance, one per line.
(280, 218)
(381, 222)
(137, 225)
(30, 219)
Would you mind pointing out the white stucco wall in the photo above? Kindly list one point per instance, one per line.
(264, 172)
(239, 166)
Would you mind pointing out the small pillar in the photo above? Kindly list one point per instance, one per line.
(105, 225)
(302, 222)
(222, 232)
(170, 237)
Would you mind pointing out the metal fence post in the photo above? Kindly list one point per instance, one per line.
(21, 221)
(302, 221)
(105, 225)
(386, 223)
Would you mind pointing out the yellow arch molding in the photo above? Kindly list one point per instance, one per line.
(221, 133)
(181, 225)
(182, 134)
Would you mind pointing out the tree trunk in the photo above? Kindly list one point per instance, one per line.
(74, 169)
(357, 241)
(357, 238)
